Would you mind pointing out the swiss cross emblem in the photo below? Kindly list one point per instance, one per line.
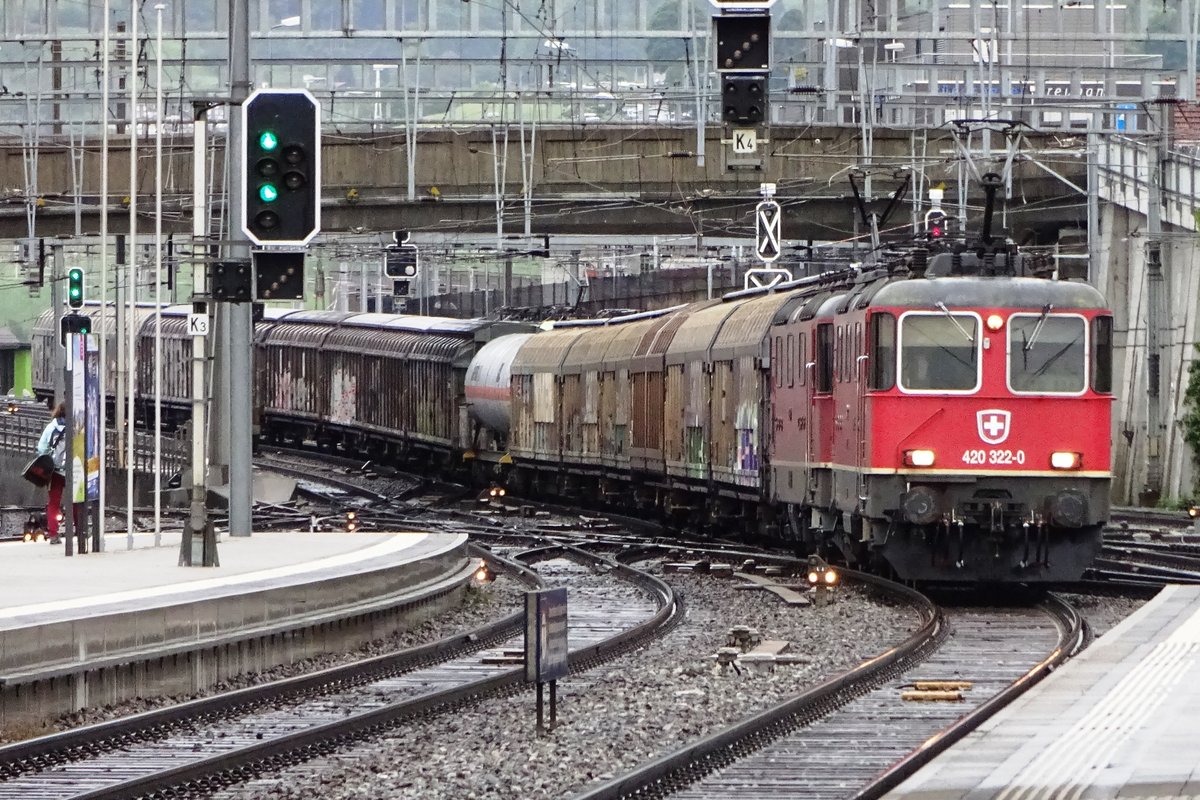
(993, 425)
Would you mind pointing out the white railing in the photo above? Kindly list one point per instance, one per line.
(1124, 171)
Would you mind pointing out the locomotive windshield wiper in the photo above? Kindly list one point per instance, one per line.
(1066, 347)
(950, 316)
(1038, 328)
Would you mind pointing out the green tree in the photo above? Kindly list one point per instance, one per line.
(1190, 423)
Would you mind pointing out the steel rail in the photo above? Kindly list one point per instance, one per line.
(713, 752)
(233, 767)
(1074, 635)
(80, 743)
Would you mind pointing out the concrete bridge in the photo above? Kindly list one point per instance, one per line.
(585, 180)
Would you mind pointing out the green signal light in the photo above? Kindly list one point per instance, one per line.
(75, 287)
(268, 193)
(267, 140)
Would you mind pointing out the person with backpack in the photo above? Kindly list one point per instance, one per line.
(53, 441)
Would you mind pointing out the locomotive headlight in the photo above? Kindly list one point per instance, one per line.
(918, 458)
(995, 322)
(1065, 460)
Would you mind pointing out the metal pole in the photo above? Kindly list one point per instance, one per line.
(158, 276)
(1155, 316)
(1098, 275)
(103, 328)
(698, 76)
(56, 301)
(131, 271)
(241, 488)
(1189, 89)
(68, 467)
(362, 285)
(196, 529)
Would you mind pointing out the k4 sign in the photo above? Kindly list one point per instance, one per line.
(745, 141)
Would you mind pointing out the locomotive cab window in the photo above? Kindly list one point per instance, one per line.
(939, 352)
(1102, 347)
(824, 358)
(883, 352)
(1047, 353)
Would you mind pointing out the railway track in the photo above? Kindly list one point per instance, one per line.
(225, 739)
(856, 735)
(266, 742)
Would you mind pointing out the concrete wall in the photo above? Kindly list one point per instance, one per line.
(192, 642)
(1120, 272)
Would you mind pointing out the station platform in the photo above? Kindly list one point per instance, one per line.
(1117, 721)
(103, 626)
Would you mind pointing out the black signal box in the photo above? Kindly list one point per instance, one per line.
(743, 98)
(401, 262)
(279, 275)
(230, 281)
(74, 323)
(743, 42)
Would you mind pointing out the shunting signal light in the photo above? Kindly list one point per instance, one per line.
(402, 261)
(351, 521)
(493, 492)
(821, 574)
(75, 287)
(74, 323)
(12, 408)
(483, 574)
(935, 224)
(743, 41)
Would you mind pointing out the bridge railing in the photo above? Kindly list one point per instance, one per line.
(1124, 166)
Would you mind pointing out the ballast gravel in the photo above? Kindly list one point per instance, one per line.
(481, 606)
(613, 718)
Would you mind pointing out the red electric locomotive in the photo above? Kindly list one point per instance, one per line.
(958, 424)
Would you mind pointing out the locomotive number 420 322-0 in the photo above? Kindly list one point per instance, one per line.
(1000, 457)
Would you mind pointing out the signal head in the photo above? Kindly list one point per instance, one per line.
(281, 167)
(75, 287)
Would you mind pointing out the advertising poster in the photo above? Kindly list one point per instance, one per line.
(77, 449)
(92, 390)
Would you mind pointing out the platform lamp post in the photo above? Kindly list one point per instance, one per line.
(104, 75)
(131, 273)
(158, 274)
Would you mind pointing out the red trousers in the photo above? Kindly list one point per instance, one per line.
(53, 506)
